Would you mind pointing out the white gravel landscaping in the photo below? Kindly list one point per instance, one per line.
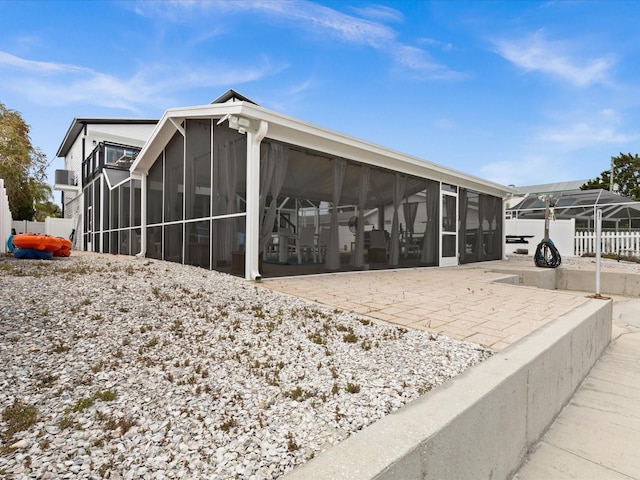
(121, 368)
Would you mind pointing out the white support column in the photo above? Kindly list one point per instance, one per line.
(103, 185)
(598, 248)
(252, 243)
(504, 230)
(143, 177)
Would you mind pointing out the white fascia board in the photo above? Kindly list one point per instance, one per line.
(303, 134)
(165, 129)
(296, 132)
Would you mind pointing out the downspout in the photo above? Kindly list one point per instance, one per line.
(504, 229)
(143, 215)
(101, 182)
(252, 243)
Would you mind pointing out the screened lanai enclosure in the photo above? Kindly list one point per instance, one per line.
(618, 212)
(112, 200)
(317, 212)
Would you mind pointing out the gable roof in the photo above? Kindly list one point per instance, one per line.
(299, 133)
(79, 123)
(232, 96)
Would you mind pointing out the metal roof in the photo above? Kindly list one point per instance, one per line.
(557, 187)
(232, 95)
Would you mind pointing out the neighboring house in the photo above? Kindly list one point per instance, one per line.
(90, 145)
(193, 195)
(572, 218)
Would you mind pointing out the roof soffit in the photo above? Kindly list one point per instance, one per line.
(78, 124)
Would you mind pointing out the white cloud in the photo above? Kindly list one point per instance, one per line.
(525, 170)
(444, 46)
(583, 134)
(366, 30)
(587, 129)
(302, 87)
(380, 12)
(537, 54)
(39, 67)
(419, 62)
(345, 27)
(50, 83)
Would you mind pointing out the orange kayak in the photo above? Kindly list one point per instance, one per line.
(35, 241)
(64, 250)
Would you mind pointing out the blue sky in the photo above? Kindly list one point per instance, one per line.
(517, 92)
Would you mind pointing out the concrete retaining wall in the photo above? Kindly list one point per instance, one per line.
(611, 283)
(482, 423)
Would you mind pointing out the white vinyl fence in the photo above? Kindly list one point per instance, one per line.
(621, 243)
(5, 218)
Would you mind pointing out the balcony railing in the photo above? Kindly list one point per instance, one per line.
(110, 155)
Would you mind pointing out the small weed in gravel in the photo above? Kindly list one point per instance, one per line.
(84, 403)
(19, 417)
(352, 388)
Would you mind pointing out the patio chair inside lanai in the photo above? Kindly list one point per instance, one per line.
(312, 191)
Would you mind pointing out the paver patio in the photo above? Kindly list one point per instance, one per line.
(460, 302)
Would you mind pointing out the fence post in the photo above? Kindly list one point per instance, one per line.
(598, 248)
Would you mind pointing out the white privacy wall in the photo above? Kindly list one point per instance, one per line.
(5, 218)
(561, 232)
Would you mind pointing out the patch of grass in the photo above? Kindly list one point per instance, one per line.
(66, 422)
(295, 394)
(5, 267)
(352, 387)
(84, 403)
(292, 446)
(425, 389)
(81, 405)
(106, 396)
(98, 366)
(19, 417)
(350, 337)
(228, 424)
(317, 338)
(60, 348)
(124, 424)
